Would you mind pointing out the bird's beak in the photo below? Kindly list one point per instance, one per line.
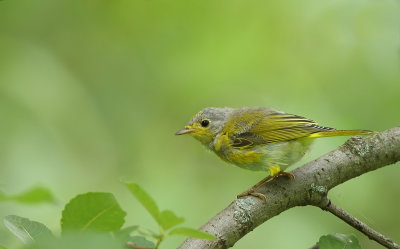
(185, 130)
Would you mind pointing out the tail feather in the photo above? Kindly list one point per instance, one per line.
(334, 133)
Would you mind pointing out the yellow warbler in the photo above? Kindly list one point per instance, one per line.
(260, 139)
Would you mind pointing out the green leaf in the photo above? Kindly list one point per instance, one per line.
(141, 241)
(168, 219)
(93, 211)
(145, 199)
(25, 229)
(86, 240)
(2, 247)
(34, 195)
(190, 232)
(123, 235)
(338, 241)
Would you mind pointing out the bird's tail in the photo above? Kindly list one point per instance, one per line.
(334, 133)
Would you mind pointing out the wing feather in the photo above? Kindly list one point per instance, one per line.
(255, 126)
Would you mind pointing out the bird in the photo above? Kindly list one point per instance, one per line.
(258, 138)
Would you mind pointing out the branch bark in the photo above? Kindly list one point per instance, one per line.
(313, 181)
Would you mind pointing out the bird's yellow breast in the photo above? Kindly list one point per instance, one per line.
(262, 157)
(226, 152)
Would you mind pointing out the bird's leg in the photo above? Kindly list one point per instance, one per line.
(286, 174)
(275, 172)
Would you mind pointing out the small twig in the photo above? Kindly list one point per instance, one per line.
(327, 205)
(158, 243)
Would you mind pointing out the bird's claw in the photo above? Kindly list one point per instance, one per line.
(252, 193)
(259, 195)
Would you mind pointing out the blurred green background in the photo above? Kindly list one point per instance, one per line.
(92, 91)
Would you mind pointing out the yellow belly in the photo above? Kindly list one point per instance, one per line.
(266, 157)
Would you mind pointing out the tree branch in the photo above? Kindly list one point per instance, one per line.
(313, 181)
(357, 224)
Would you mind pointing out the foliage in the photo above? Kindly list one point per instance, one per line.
(78, 241)
(338, 241)
(166, 219)
(34, 195)
(94, 220)
(25, 229)
(95, 211)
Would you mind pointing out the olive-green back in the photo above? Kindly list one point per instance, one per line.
(249, 127)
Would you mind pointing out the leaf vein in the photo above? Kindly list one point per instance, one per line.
(95, 217)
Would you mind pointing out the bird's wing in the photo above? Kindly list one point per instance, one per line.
(256, 127)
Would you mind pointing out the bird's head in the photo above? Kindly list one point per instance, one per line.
(206, 124)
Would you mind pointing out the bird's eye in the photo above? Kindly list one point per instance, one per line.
(205, 123)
